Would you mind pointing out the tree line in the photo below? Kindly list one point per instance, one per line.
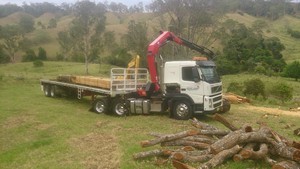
(199, 21)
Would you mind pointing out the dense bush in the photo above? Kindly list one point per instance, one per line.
(29, 56)
(292, 70)
(282, 91)
(254, 87)
(42, 54)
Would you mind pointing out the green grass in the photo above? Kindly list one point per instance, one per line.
(41, 132)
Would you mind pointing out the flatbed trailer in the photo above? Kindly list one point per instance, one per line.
(122, 81)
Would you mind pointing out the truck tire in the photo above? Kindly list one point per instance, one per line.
(226, 106)
(182, 110)
(100, 106)
(118, 107)
(46, 89)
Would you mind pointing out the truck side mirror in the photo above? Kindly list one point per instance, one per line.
(196, 76)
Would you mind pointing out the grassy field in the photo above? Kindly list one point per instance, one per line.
(41, 132)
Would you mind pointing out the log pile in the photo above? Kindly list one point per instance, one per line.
(235, 99)
(208, 146)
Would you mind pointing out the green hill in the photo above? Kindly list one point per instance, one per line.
(118, 23)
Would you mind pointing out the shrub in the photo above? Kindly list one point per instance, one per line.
(38, 63)
(42, 54)
(292, 70)
(254, 87)
(260, 69)
(29, 56)
(282, 91)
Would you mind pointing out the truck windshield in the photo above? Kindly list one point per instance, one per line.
(209, 74)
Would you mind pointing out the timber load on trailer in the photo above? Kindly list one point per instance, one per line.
(122, 81)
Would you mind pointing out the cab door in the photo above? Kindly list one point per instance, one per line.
(191, 84)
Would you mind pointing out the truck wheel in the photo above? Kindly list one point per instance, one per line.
(119, 108)
(226, 106)
(46, 89)
(100, 106)
(182, 110)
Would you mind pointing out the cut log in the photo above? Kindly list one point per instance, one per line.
(287, 152)
(220, 157)
(214, 132)
(296, 145)
(169, 137)
(225, 122)
(286, 165)
(198, 124)
(261, 153)
(188, 148)
(270, 161)
(185, 143)
(226, 142)
(181, 156)
(240, 137)
(200, 139)
(180, 165)
(198, 152)
(245, 153)
(152, 153)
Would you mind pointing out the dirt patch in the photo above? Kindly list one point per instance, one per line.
(273, 111)
(16, 121)
(100, 150)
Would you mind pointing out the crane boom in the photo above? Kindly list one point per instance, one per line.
(161, 40)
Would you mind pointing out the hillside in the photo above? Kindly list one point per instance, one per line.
(118, 23)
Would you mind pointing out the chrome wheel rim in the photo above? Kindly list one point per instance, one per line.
(182, 110)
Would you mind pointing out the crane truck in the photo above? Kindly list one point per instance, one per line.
(183, 88)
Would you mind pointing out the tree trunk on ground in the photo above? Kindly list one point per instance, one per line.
(245, 153)
(180, 165)
(151, 154)
(198, 124)
(225, 122)
(181, 156)
(168, 137)
(220, 157)
(185, 143)
(286, 165)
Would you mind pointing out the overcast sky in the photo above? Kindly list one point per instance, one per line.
(58, 2)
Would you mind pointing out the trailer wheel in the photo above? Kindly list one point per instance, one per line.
(46, 89)
(119, 108)
(53, 91)
(100, 106)
(182, 110)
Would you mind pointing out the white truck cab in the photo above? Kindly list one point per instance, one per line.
(195, 81)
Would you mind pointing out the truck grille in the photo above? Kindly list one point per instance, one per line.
(216, 99)
(217, 104)
(216, 89)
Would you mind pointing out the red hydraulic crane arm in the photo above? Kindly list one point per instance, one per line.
(162, 39)
(153, 50)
